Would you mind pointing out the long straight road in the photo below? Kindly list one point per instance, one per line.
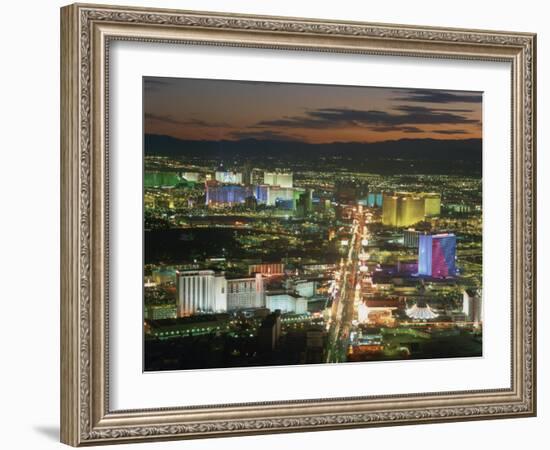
(344, 309)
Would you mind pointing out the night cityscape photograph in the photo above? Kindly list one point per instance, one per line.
(291, 224)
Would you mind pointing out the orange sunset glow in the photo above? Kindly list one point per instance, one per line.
(196, 109)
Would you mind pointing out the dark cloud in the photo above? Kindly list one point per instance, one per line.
(450, 132)
(428, 96)
(264, 135)
(291, 122)
(403, 129)
(404, 115)
(184, 122)
(422, 109)
(436, 116)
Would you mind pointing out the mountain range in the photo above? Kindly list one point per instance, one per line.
(435, 155)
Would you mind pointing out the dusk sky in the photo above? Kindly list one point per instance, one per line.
(218, 109)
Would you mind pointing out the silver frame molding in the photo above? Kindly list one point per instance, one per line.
(86, 33)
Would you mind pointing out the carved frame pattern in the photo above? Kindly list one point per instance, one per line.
(86, 418)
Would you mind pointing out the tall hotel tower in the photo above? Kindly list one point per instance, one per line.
(403, 209)
(436, 255)
(243, 293)
(472, 306)
(200, 291)
(283, 180)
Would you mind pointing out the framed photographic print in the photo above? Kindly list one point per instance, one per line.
(275, 225)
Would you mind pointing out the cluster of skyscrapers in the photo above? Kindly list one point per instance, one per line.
(271, 189)
(291, 298)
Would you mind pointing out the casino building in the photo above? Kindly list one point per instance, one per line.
(245, 293)
(224, 176)
(227, 194)
(200, 291)
(267, 269)
(283, 180)
(286, 302)
(207, 291)
(403, 209)
(421, 311)
(436, 255)
(472, 306)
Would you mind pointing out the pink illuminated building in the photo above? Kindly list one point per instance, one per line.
(436, 255)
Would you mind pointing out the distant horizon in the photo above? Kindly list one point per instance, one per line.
(405, 155)
(275, 139)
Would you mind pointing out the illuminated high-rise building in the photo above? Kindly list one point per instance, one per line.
(283, 180)
(227, 194)
(411, 211)
(436, 255)
(305, 288)
(256, 176)
(432, 204)
(410, 238)
(200, 291)
(304, 203)
(276, 193)
(403, 209)
(285, 302)
(229, 177)
(244, 293)
(389, 210)
(472, 306)
(247, 173)
(374, 200)
(261, 192)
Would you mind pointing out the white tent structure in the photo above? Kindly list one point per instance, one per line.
(421, 311)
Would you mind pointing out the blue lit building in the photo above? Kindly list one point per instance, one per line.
(374, 200)
(437, 255)
(228, 194)
(261, 192)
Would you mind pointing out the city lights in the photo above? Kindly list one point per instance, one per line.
(265, 248)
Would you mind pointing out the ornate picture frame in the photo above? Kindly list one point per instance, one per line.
(86, 34)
